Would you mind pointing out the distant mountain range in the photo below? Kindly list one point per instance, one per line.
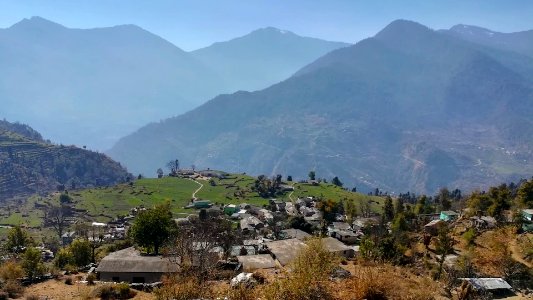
(29, 164)
(408, 109)
(93, 86)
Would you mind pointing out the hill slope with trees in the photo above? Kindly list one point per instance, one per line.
(409, 109)
(30, 165)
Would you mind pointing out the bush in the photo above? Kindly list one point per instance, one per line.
(13, 289)
(91, 278)
(470, 236)
(11, 271)
(186, 288)
(32, 297)
(63, 258)
(4, 295)
(68, 280)
(109, 292)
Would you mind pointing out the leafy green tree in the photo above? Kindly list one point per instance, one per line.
(64, 198)
(478, 202)
(350, 210)
(399, 224)
(388, 209)
(289, 178)
(443, 246)
(32, 263)
(336, 181)
(81, 252)
(525, 194)
(399, 208)
(153, 227)
(422, 206)
(311, 175)
(444, 199)
(63, 258)
(17, 240)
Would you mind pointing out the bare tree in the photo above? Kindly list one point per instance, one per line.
(194, 246)
(56, 216)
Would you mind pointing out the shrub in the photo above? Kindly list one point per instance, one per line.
(469, 236)
(63, 258)
(68, 280)
(13, 289)
(11, 271)
(4, 295)
(184, 289)
(91, 278)
(109, 292)
(32, 297)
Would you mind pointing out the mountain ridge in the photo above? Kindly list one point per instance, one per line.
(398, 116)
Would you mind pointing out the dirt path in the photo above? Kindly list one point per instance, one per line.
(515, 253)
(197, 190)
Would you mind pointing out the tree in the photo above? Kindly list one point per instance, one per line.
(57, 217)
(65, 198)
(444, 245)
(311, 175)
(400, 208)
(289, 178)
(81, 252)
(388, 209)
(525, 194)
(336, 181)
(443, 198)
(160, 173)
(63, 258)
(17, 240)
(422, 206)
(350, 209)
(32, 263)
(153, 227)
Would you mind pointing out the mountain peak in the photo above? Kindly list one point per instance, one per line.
(36, 22)
(271, 30)
(471, 30)
(402, 27)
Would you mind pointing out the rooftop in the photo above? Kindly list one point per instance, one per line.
(296, 234)
(334, 245)
(130, 260)
(488, 283)
(254, 262)
(286, 251)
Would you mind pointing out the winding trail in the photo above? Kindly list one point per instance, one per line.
(197, 190)
(290, 195)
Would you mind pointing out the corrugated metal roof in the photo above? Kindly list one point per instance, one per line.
(488, 283)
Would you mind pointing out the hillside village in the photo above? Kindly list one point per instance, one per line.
(249, 246)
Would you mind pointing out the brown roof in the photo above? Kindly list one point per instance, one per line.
(334, 245)
(130, 260)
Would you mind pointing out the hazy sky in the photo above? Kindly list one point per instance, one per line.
(197, 23)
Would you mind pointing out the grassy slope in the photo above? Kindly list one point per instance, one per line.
(104, 204)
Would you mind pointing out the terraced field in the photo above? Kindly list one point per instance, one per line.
(33, 166)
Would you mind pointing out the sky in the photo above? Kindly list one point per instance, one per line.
(198, 23)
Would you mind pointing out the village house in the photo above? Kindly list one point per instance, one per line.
(129, 265)
(251, 263)
(68, 237)
(265, 215)
(346, 236)
(432, 227)
(295, 234)
(496, 286)
(483, 222)
(290, 209)
(335, 246)
(250, 224)
(285, 251)
(527, 214)
(448, 215)
(230, 209)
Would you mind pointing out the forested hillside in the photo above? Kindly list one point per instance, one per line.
(30, 165)
(409, 109)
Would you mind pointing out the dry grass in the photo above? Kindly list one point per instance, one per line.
(386, 282)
